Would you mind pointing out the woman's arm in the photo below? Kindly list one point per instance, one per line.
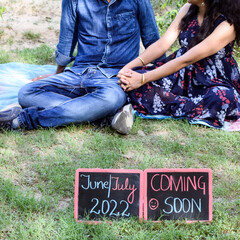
(217, 40)
(220, 37)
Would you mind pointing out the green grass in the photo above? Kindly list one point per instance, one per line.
(31, 36)
(5, 56)
(39, 55)
(37, 171)
(2, 10)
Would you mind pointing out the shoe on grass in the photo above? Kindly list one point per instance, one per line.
(8, 114)
(122, 121)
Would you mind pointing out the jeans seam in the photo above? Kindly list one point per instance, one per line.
(88, 76)
(59, 86)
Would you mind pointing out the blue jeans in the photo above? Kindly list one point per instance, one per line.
(68, 98)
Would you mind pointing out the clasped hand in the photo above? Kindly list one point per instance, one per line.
(129, 79)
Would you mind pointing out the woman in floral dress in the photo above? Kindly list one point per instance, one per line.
(201, 80)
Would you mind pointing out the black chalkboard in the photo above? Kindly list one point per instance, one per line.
(178, 194)
(109, 193)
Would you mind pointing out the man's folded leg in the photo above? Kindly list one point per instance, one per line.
(100, 101)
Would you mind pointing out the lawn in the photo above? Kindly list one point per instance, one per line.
(37, 170)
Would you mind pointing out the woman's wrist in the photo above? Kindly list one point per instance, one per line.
(141, 60)
(153, 75)
(143, 79)
(146, 77)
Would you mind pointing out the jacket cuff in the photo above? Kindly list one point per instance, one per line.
(61, 59)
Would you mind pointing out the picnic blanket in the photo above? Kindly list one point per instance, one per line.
(228, 126)
(14, 75)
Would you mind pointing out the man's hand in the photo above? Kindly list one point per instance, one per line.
(42, 77)
(60, 69)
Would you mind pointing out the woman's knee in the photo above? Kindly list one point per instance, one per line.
(221, 96)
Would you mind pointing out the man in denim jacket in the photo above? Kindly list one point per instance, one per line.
(107, 34)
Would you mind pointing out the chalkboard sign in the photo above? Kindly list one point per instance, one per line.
(178, 194)
(110, 193)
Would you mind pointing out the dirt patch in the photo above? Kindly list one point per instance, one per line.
(7, 174)
(64, 203)
(29, 23)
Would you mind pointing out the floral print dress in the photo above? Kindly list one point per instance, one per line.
(206, 92)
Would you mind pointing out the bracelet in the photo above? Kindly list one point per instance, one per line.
(143, 78)
(142, 61)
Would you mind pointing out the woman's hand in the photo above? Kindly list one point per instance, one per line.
(129, 79)
(125, 71)
(42, 77)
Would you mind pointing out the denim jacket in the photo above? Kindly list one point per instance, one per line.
(107, 34)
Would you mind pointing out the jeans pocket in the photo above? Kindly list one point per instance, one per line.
(126, 22)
